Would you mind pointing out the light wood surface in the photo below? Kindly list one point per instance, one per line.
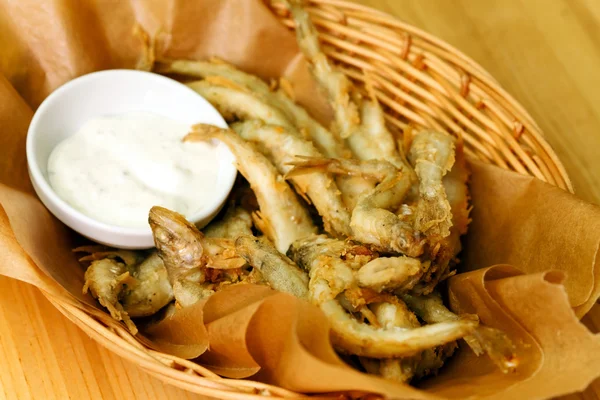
(545, 52)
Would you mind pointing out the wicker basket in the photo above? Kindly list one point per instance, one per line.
(421, 81)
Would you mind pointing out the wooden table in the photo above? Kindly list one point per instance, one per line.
(545, 52)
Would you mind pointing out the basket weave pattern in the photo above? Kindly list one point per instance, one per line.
(421, 82)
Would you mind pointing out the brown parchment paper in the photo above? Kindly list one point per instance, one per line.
(550, 237)
(561, 231)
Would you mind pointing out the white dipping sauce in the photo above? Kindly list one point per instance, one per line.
(115, 168)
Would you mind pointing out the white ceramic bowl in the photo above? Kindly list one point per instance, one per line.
(116, 92)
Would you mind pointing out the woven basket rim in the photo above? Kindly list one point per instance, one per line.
(472, 69)
(187, 375)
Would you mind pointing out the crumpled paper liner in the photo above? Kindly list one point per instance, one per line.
(536, 227)
(253, 331)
